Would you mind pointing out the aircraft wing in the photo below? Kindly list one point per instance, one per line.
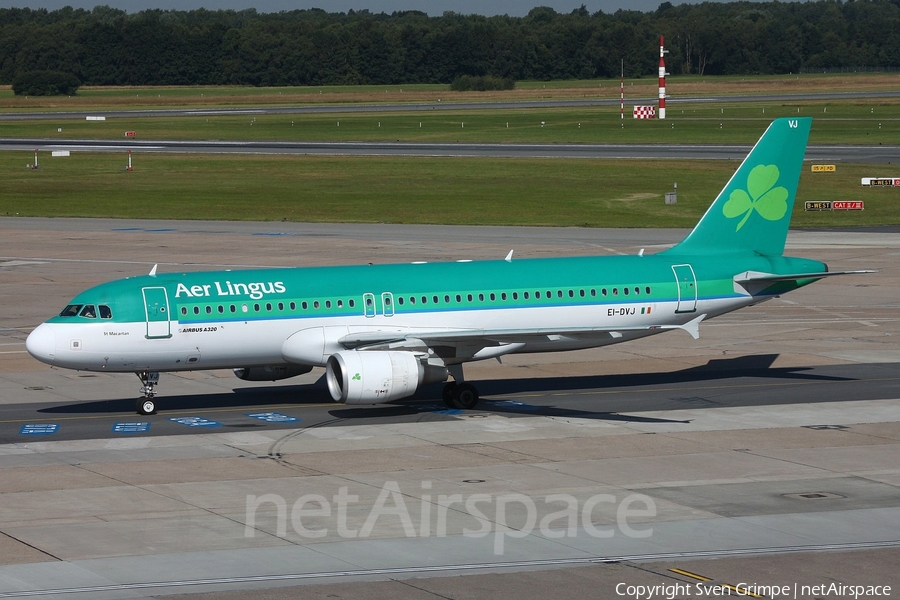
(417, 338)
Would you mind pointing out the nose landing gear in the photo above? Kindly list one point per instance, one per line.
(149, 381)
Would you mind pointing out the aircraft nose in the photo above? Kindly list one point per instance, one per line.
(41, 343)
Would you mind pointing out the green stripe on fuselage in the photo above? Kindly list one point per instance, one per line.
(322, 284)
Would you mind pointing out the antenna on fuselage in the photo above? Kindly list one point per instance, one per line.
(153, 270)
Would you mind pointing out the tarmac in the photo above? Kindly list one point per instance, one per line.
(766, 453)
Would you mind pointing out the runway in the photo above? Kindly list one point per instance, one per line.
(745, 454)
(847, 153)
(439, 106)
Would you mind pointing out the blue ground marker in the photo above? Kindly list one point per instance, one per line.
(195, 422)
(131, 427)
(273, 417)
(39, 429)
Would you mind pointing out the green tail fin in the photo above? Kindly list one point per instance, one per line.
(753, 211)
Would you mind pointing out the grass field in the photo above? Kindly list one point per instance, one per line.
(438, 190)
(553, 192)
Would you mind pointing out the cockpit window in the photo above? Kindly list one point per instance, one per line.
(71, 310)
(105, 312)
(88, 311)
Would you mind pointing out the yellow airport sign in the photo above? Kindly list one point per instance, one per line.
(823, 168)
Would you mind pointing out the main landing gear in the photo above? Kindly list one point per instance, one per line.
(460, 395)
(147, 405)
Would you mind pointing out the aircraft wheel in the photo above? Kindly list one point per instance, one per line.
(146, 406)
(447, 394)
(465, 396)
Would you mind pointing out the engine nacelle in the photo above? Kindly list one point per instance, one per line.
(271, 372)
(373, 377)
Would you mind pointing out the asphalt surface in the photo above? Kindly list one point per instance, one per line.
(768, 447)
(849, 154)
(440, 105)
(739, 382)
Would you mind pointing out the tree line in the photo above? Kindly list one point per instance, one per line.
(107, 46)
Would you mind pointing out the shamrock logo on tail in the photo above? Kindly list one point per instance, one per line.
(761, 196)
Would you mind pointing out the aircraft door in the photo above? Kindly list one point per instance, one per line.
(156, 307)
(369, 304)
(387, 304)
(687, 288)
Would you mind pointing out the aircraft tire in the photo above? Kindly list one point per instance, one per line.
(146, 406)
(447, 394)
(465, 396)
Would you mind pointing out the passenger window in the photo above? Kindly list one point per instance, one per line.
(625, 291)
(316, 303)
(647, 289)
(525, 295)
(256, 308)
(458, 298)
(88, 312)
(435, 299)
(493, 296)
(221, 309)
(304, 305)
(340, 304)
(481, 297)
(400, 300)
(328, 304)
(469, 297)
(268, 306)
(244, 308)
(412, 299)
(503, 296)
(637, 290)
(183, 310)
(106, 313)
(593, 292)
(196, 310)
(352, 303)
(293, 305)
(209, 310)
(515, 295)
(281, 306)
(424, 299)
(368, 303)
(447, 299)
(571, 293)
(71, 310)
(603, 291)
(615, 291)
(536, 295)
(233, 308)
(559, 293)
(581, 293)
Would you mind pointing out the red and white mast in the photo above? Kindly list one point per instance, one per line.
(662, 79)
(622, 91)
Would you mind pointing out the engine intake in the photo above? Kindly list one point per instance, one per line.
(377, 376)
(271, 372)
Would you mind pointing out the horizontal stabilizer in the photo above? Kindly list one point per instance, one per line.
(751, 276)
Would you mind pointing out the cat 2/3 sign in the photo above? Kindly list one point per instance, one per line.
(836, 205)
(881, 181)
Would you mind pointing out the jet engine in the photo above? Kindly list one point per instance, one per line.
(271, 372)
(373, 377)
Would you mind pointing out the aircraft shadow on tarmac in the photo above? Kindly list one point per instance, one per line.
(604, 405)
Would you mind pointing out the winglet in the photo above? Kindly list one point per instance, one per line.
(509, 257)
(153, 271)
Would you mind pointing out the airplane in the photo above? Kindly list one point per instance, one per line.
(383, 331)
